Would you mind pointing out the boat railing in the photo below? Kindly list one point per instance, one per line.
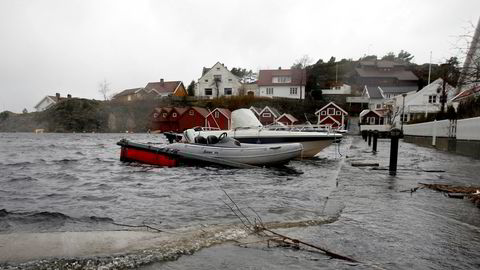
(300, 128)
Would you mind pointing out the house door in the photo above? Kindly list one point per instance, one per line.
(372, 121)
(250, 93)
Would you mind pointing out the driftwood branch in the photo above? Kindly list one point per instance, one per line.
(138, 226)
(262, 230)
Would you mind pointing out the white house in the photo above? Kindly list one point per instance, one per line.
(217, 81)
(343, 89)
(285, 83)
(423, 102)
(375, 97)
(48, 101)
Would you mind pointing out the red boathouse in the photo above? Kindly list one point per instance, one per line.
(193, 117)
(219, 118)
(332, 115)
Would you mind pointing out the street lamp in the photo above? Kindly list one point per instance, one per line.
(403, 110)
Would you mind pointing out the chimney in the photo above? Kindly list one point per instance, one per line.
(161, 80)
(279, 68)
(69, 96)
(58, 96)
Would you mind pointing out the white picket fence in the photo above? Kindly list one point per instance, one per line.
(464, 129)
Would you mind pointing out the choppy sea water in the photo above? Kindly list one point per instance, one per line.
(75, 183)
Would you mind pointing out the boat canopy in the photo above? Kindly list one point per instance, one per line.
(244, 118)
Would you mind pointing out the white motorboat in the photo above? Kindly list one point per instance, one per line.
(220, 150)
(247, 129)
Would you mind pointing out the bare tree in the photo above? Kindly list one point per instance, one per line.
(302, 64)
(103, 88)
(468, 46)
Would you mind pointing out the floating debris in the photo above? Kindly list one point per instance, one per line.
(458, 192)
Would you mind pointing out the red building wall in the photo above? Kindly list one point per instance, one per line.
(337, 115)
(266, 120)
(191, 118)
(285, 120)
(216, 119)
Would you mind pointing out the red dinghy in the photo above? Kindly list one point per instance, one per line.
(132, 152)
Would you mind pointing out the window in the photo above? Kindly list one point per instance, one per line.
(174, 114)
(164, 115)
(339, 113)
(227, 91)
(432, 99)
(404, 117)
(218, 68)
(206, 80)
(371, 120)
(323, 113)
(293, 90)
(129, 98)
(217, 78)
(269, 91)
(217, 114)
(208, 91)
(191, 112)
(229, 79)
(378, 106)
(331, 111)
(282, 79)
(267, 115)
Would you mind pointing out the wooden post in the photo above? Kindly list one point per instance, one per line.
(375, 138)
(394, 135)
(369, 137)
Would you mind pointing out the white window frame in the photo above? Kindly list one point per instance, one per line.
(225, 91)
(211, 92)
(432, 99)
(293, 90)
(323, 113)
(217, 114)
(164, 115)
(330, 112)
(174, 114)
(269, 91)
(338, 112)
(191, 112)
(266, 115)
(371, 120)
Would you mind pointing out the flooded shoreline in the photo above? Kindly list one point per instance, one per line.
(72, 197)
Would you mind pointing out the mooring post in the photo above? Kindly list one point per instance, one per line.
(364, 135)
(394, 135)
(369, 137)
(375, 138)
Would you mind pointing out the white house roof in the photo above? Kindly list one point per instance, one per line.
(289, 116)
(53, 99)
(331, 103)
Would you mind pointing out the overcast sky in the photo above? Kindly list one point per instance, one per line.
(70, 46)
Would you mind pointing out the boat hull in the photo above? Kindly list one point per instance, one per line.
(197, 154)
(312, 142)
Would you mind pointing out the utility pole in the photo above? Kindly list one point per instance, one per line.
(430, 68)
(443, 97)
(403, 110)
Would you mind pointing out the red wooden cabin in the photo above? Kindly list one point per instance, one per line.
(268, 116)
(332, 115)
(287, 119)
(219, 118)
(192, 117)
(173, 117)
(159, 119)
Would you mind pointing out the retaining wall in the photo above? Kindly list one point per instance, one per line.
(442, 135)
